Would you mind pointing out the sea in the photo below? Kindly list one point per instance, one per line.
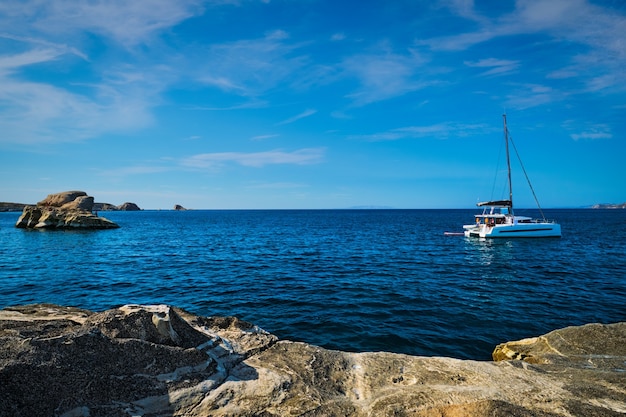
(352, 280)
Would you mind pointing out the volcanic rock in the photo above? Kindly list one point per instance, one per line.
(164, 361)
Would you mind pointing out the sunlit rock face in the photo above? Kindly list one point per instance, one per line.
(66, 210)
(59, 199)
(161, 360)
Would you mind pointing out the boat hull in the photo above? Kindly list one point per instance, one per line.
(539, 229)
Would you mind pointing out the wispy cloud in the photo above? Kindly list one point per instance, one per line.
(567, 21)
(12, 62)
(436, 131)
(276, 185)
(306, 156)
(306, 113)
(135, 170)
(263, 137)
(44, 113)
(496, 66)
(111, 98)
(524, 96)
(593, 132)
(384, 75)
(250, 67)
(128, 23)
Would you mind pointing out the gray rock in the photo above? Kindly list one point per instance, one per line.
(128, 207)
(163, 361)
(104, 207)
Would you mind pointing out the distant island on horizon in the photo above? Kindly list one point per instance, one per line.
(609, 206)
(11, 207)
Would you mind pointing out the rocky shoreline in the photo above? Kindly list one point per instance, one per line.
(164, 361)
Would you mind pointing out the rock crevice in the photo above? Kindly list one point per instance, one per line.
(161, 360)
(66, 210)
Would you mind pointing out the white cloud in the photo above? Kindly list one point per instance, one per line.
(436, 131)
(304, 114)
(532, 95)
(384, 75)
(39, 112)
(264, 137)
(113, 98)
(44, 113)
(305, 156)
(127, 22)
(497, 66)
(276, 185)
(600, 29)
(594, 132)
(11, 63)
(134, 170)
(249, 67)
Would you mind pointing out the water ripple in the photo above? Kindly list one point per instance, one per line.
(352, 280)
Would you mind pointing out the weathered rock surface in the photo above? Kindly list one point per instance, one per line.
(5, 206)
(66, 210)
(80, 203)
(163, 361)
(128, 207)
(59, 199)
(55, 218)
(178, 207)
(104, 207)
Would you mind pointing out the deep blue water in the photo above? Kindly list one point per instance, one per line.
(355, 280)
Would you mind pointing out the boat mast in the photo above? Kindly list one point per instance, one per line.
(508, 161)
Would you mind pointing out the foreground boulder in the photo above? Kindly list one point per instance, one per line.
(66, 210)
(163, 361)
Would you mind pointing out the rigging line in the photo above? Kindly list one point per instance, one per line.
(526, 175)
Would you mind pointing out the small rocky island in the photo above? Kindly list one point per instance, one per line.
(140, 360)
(609, 206)
(66, 210)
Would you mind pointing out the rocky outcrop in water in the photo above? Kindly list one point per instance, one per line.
(104, 207)
(128, 207)
(609, 206)
(4, 206)
(66, 210)
(164, 361)
(111, 207)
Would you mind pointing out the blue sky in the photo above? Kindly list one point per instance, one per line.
(224, 104)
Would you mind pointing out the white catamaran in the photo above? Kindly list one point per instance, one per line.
(498, 219)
